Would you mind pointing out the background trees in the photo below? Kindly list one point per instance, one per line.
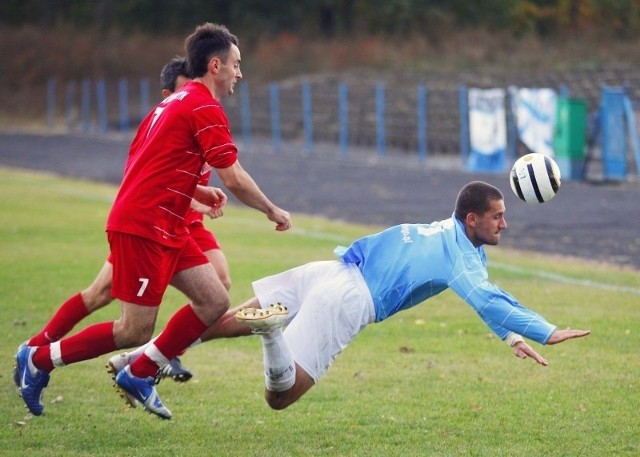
(332, 17)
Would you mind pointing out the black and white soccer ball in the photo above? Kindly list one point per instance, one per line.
(535, 178)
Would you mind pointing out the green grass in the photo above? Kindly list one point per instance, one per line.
(430, 381)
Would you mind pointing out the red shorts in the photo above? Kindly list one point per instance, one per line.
(142, 268)
(203, 237)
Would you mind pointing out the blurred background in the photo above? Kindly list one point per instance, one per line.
(574, 47)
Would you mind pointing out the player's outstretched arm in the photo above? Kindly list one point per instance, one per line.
(523, 350)
(561, 335)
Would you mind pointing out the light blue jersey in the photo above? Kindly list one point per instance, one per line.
(409, 263)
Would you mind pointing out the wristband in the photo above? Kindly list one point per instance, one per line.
(513, 338)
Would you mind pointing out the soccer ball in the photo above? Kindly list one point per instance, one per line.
(535, 178)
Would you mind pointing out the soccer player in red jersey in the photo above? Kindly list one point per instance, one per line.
(146, 228)
(173, 76)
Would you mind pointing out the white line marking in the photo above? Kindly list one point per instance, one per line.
(565, 279)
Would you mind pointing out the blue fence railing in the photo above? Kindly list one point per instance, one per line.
(414, 120)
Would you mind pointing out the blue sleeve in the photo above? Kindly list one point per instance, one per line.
(499, 310)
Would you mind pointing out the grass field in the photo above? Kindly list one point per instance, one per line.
(429, 382)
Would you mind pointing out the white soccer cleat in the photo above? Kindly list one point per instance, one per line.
(114, 366)
(263, 321)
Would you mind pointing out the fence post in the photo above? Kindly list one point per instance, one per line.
(245, 112)
(101, 102)
(343, 117)
(307, 116)
(144, 97)
(85, 103)
(463, 100)
(422, 121)
(380, 120)
(123, 92)
(274, 103)
(512, 127)
(69, 103)
(51, 102)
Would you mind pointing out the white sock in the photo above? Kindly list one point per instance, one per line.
(279, 367)
(138, 352)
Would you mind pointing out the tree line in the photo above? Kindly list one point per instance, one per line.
(333, 18)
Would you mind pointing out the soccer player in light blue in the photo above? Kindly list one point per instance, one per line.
(326, 304)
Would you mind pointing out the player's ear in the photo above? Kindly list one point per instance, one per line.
(214, 65)
(165, 93)
(470, 220)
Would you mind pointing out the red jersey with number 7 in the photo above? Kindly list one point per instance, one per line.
(174, 141)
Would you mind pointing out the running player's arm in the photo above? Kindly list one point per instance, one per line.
(244, 188)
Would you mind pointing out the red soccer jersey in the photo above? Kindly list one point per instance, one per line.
(174, 141)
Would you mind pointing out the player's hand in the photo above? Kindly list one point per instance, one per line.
(212, 211)
(209, 201)
(210, 196)
(281, 217)
(523, 351)
(561, 335)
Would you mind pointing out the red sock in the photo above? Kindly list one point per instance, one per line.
(181, 331)
(89, 343)
(68, 315)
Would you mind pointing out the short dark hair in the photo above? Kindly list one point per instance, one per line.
(170, 72)
(475, 197)
(207, 41)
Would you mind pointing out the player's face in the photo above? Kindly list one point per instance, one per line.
(486, 228)
(229, 72)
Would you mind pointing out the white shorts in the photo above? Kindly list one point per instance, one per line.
(329, 304)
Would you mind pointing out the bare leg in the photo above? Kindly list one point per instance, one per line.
(220, 264)
(280, 400)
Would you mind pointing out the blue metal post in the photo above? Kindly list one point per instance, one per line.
(101, 101)
(307, 117)
(463, 99)
(380, 120)
(512, 127)
(274, 102)
(245, 112)
(564, 91)
(85, 102)
(69, 103)
(144, 97)
(343, 115)
(123, 92)
(51, 102)
(422, 121)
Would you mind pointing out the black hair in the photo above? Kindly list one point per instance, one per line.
(170, 72)
(207, 41)
(476, 197)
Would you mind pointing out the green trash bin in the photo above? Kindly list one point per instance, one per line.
(569, 138)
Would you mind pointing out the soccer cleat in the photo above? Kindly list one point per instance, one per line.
(175, 371)
(31, 380)
(15, 373)
(263, 321)
(143, 390)
(114, 366)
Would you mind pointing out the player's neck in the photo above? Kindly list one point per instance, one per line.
(209, 84)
